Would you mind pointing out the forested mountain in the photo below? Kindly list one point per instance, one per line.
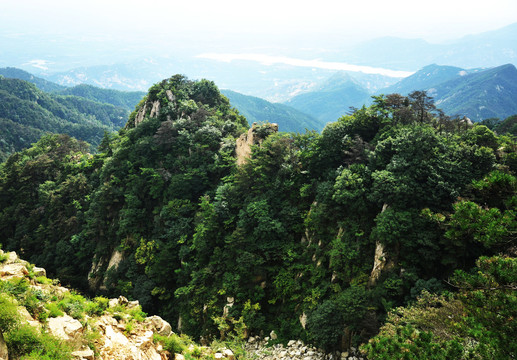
(316, 236)
(260, 111)
(480, 95)
(27, 112)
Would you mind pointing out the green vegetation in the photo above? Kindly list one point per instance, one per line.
(27, 113)
(42, 84)
(164, 215)
(260, 111)
(120, 99)
(25, 341)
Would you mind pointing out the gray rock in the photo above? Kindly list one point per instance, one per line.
(65, 327)
(37, 271)
(84, 354)
(14, 270)
(161, 326)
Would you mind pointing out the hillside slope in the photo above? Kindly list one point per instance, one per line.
(235, 232)
(35, 112)
(259, 110)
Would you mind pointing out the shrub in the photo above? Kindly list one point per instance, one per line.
(16, 287)
(174, 343)
(54, 310)
(8, 314)
(73, 304)
(44, 280)
(25, 342)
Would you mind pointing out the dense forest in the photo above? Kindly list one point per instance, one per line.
(394, 228)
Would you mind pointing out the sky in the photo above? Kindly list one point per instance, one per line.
(99, 30)
(265, 20)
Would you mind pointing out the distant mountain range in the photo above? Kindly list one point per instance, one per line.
(476, 93)
(487, 49)
(278, 82)
(480, 95)
(31, 106)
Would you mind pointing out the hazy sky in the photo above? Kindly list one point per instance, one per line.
(74, 33)
(217, 20)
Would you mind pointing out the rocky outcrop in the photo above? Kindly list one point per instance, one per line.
(97, 274)
(255, 135)
(139, 115)
(380, 263)
(118, 343)
(295, 350)
(119, 335)
(86, 354)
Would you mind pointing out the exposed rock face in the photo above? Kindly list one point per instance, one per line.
(96, 279)
(155, 110)
(140, 115)
(382, 261)
(114, 344)
(94, 275)
(254, 136)
(4, 355)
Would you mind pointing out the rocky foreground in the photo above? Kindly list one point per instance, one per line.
(110, 329)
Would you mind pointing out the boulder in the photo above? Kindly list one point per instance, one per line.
(87, 354)
(65, 327)
(37, 271)
(159, 325)
(228, 354)
(13, 270)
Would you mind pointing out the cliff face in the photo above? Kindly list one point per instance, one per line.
(255, 135)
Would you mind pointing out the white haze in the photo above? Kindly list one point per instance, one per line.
(318, 64)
